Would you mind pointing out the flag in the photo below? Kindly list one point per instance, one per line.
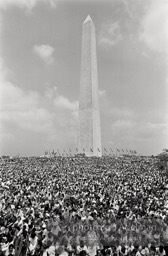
(98, 149)
(53, 152)
(105, 149)
(91, 149)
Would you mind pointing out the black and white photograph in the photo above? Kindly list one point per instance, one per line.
(83, 127)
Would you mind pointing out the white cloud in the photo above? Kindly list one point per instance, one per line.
(45, 52)
(135, 9)
(24, 114)
(61, 101)
(138, 129)
(154, 26)
(50, 92)
(65, 103)
(154, 33)
(139, 134)
(110, 34)
(21, 108)
(27, 4)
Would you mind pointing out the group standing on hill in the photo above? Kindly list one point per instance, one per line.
(83, 206)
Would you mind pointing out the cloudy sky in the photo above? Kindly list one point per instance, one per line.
(40, 55)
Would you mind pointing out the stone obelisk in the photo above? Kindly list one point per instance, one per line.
(89, 131)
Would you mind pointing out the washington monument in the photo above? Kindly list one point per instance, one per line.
(89, 131)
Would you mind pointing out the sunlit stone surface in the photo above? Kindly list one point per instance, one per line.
(89, 132)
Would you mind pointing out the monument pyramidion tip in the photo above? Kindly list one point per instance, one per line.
(88, 19)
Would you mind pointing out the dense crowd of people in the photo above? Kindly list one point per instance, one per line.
(83, 206)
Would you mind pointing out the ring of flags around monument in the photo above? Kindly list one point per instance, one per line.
(106, 152)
